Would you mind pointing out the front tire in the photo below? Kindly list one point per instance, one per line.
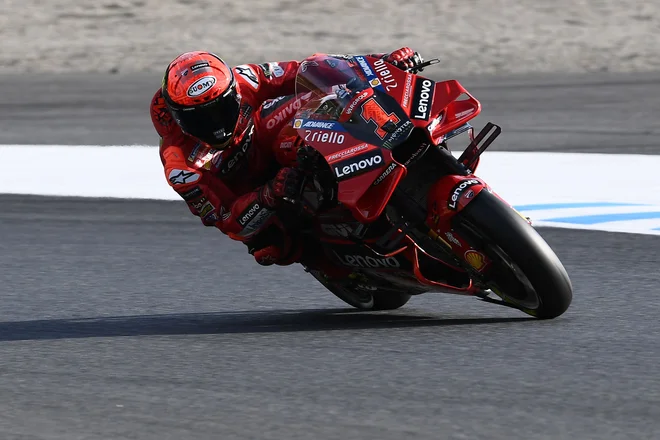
(524, 265)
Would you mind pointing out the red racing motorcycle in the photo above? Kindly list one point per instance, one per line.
(385, 197)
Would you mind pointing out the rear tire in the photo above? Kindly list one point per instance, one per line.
(390, 300)
(513, 243)
(365, 298)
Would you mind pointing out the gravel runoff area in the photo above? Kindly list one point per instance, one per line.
(470, 36)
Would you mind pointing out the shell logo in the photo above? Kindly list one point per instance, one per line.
(297, 123)
(374, 82)
(475, 259)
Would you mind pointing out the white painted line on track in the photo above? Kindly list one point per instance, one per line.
(86, 171)
(619, 193)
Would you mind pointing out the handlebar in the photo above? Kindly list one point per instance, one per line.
(420, 67)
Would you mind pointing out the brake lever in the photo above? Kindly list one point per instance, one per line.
(422, 66)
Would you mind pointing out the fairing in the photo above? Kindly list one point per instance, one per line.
(358, 111)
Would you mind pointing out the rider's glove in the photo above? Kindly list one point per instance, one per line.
(404, 58)
(286, 184)
(268, 255)
(275, 246)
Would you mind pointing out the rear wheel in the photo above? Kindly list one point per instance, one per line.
(525, 271)
(364, 296)
(390, 300)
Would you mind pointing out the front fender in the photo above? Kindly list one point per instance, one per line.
(451, 194)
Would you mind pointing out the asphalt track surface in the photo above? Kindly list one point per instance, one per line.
(128, 320)
(611, 113)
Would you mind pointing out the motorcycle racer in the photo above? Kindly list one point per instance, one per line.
(217, 126)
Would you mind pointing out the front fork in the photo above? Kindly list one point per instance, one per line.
(452, 193)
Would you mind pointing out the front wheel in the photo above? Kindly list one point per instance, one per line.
(525, 271)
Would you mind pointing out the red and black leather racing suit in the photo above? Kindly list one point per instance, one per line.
(223, 188)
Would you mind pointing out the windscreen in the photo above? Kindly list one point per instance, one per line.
(337, 91)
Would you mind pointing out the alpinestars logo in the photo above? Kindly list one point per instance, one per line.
(180, 177)
(422, 99)
(357, 165)
(248, 74)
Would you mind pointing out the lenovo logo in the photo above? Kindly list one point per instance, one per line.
(458, 190)
(422, 99)
(368, 262)
(358, 165)
(248, 214)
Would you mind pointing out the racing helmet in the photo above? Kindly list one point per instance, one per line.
(202, 95)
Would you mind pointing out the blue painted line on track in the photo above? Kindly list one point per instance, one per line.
(542, 206)
(604, 218)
